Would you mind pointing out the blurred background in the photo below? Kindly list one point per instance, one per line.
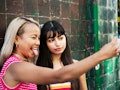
(89, 25)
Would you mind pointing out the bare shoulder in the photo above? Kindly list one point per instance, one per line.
(21, 67)
(74, 60)
(15, 71)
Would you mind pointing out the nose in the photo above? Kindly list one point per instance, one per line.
(38, 42)
(57, 42)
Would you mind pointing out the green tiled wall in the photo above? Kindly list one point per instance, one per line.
(89, 25)
(105, 76)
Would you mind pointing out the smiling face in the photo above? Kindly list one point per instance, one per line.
(57, 44)
(27, 44)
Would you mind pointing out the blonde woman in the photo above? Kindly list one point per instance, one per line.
(20, 49)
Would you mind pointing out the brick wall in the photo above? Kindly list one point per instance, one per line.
(77, 17)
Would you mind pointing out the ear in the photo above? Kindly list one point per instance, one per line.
(16, 40)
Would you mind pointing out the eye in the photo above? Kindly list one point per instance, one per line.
(33, 37)
(61, 37)
(50, 40)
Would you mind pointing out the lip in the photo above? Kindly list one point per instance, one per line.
(36, 48)
(58, 49)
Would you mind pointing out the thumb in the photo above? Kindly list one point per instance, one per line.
(114, 41)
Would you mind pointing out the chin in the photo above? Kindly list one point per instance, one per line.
(32, 56)
(58, 53)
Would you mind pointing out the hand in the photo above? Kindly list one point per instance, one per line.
(118, 45)
(110, 50)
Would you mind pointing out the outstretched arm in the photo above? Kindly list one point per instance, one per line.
(35, 74)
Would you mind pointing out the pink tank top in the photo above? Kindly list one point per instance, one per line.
(21, 85)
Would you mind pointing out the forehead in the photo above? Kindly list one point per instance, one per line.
(31, 27)
(52, 34)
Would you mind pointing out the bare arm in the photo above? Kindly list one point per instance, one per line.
(82, 80)
(30, 73)
(83, 83)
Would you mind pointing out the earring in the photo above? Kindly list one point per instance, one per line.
(16, 45)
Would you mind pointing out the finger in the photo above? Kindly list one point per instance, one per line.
(118, 44)
(114, 41)
(118, 49)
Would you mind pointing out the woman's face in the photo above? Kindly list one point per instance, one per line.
(28, 42)
(57, 44)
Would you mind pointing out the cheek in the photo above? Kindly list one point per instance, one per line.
(50, 47)
(64, 42)
(27, 44)
(64, 46)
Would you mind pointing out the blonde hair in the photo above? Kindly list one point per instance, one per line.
(14, 28)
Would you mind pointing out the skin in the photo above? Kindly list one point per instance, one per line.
(57, 46)
(82, 79)
(31, 40)
(25, 71)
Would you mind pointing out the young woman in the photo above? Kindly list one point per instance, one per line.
(55, 53)
(20, 51)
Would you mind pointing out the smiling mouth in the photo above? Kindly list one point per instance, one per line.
(35, 51)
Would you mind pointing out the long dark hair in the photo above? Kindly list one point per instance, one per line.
(45, 57)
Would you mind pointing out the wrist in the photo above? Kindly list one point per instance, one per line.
(103, 55)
